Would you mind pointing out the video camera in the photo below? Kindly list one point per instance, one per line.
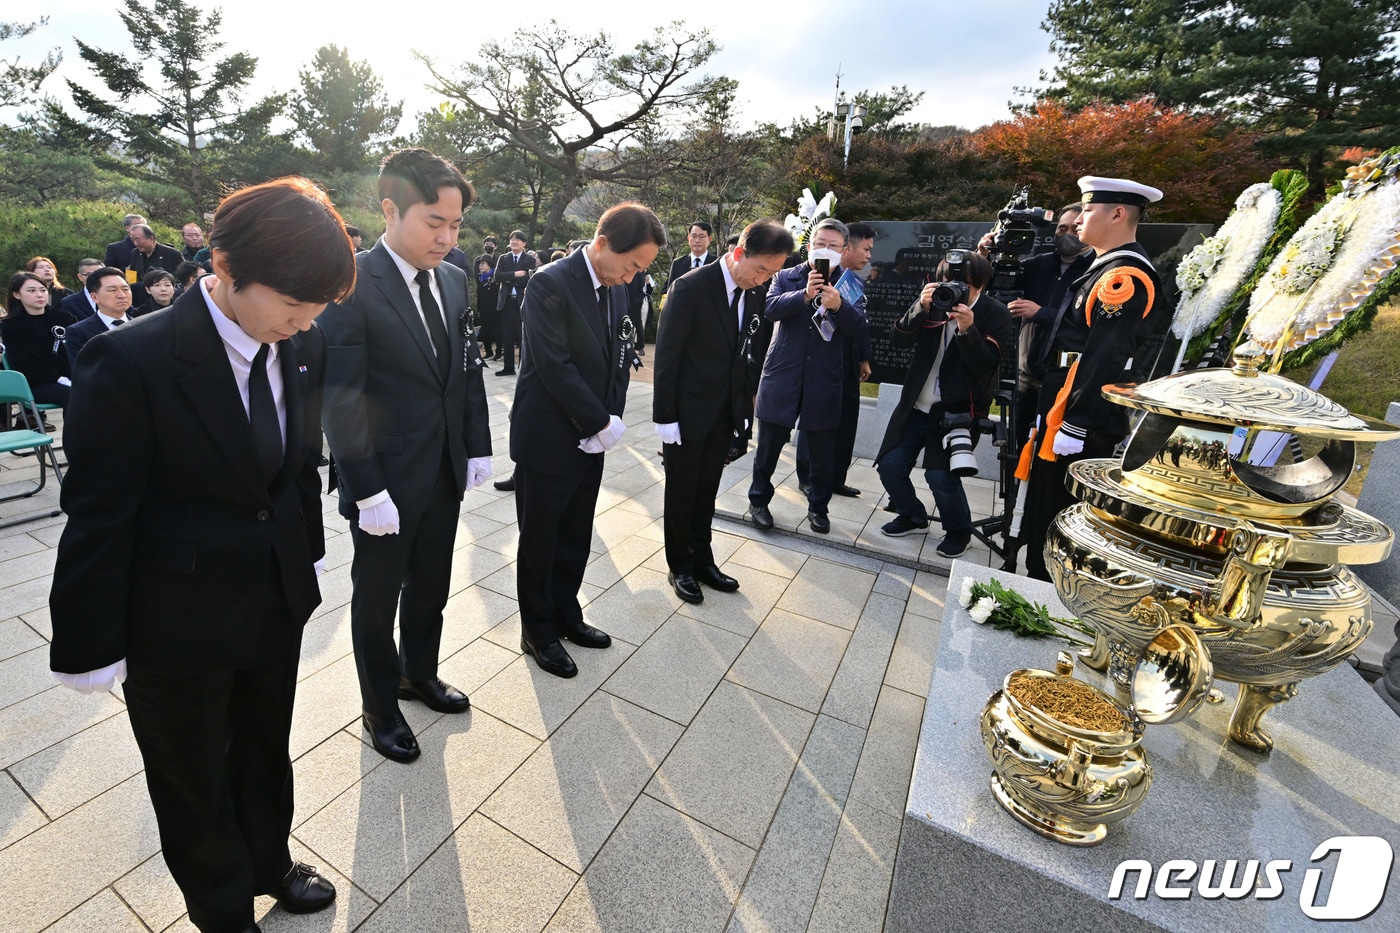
(1013, 237)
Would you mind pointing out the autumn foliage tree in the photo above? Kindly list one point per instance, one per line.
(1199, 161)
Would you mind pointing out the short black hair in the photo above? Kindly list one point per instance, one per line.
(186, 269)
(702, 225)
(155, 275)
(489, 239)
(860, 231)
(93, 283)
(629, 225)
(766, 238)
(979, 270)
(352, 231)
(519, 235)
(413, 176)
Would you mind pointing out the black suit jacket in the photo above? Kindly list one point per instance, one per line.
(80, 333)
(505, 279)
(681, 265)
(118, 254)
(700, 361)
(572, 375)
(168, 560)
(78, 305)
(388, 414)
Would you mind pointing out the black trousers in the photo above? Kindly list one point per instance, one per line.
(845, 444)
(510, 332)
(1046, 497)
(409, 573)
(215, 748)
(555, 513)
(821, 446)
(693, 470)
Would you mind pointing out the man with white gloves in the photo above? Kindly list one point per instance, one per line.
(407, 424)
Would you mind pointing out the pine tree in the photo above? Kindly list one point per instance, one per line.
(342, 111)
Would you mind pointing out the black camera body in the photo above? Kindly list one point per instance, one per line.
(948, 295)
(1013, 237)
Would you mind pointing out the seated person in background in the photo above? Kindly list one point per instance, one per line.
(159, 286)
(47, 270)
(33, 335)
(113, 296)
(80, 303)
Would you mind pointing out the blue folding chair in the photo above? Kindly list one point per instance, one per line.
(14, 390)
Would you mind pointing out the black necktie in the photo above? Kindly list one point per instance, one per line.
(433, 315)
(119, 322)
(695, 262)
(262, 415)
(603, 305)
(734, 310)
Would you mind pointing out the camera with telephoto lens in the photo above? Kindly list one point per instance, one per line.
(948, 295)
(958, 442)
(1012, 237)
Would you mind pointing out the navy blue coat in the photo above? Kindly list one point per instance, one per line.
(802, 373)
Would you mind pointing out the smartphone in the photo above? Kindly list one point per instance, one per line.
(824, 267)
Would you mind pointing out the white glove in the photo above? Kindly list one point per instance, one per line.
(381, 519)
(102, 679)
(610, 435)
(1067, 446)
(319, 566)
(478, 471)
(65, 381)
(669, 433)
(591, 445)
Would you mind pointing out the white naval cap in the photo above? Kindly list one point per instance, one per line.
(1094, 189)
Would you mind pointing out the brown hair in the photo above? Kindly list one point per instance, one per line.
(33, 264)
(630, 224)
(765, 238)
(285, 234)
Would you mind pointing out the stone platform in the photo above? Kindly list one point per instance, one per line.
(964, 863)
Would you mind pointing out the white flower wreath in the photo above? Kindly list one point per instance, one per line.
(1328, 268)
(1214, 270)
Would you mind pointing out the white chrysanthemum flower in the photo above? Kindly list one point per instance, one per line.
(982, 610)
(965, 597)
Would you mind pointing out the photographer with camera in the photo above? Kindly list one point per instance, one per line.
(1116, 305)
(957, 331)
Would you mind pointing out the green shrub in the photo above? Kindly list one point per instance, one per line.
(65, 231)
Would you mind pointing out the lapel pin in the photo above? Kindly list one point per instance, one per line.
(301, 369)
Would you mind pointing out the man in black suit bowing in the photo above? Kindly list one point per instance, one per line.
(579, 343)
(191, 577)
(703, 351)
(513, 271)
(406, 421)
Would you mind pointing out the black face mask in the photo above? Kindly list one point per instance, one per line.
(1068, 245)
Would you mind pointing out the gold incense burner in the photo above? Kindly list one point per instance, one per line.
(1190, 529)
(1067, 775)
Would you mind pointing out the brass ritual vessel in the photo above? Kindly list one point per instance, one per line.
(1069, 781)
(1187, 530)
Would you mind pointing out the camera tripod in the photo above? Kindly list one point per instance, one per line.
(1003, 438)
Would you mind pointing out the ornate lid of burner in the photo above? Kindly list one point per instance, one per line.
(1198, 445)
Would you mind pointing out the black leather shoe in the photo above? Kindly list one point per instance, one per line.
(761, 516)
(552, 659)
(253, 928)
(304, 890)
(849, 492)
(505, 372)
(435, 694)
(391, 737)
(686, 587)
(505, 485)
(586, 635)
(716, 579)
(821, 524)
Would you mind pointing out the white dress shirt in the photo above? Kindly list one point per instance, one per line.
(410, 276)
(241, 349)
(730, 287)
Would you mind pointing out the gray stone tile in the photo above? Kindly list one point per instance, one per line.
(474, 665)
(770, 558)
(18, 545)
(501, 510)
(856, 686)
(30, 601)
(502, 582)
(571, 793)
(829, 593)
(471, 613)
(67, 775)
(856, 887)
(895, 581)
(336, 590)
(791, 658)
(634, 607)
(105, 913)
(328, 770)
(538, 703)
(887, 761)
(656, 531)
(744, 611)
(677, 669)
(650, 502)
(613, 526)
(472, 527)
(506, 633)
(611, 566)
(326, 702)
(472, 565)
(48, 531)
(505, 540)
(24, 675)
(27, 567)
(59, 866)
(661, 872)
(16, 638)
(324, 640)
(927, 594)
(18, 815)
(152, 893)
(482, 879)
(385, 826)
(911, 663)
(42, 720)
(732, 765)
(787, 874)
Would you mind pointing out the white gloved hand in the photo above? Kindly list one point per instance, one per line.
(65, 381)
(478, 471)
(591, 445)
(610, 435)
(669, 433)
(319, 566)
(102, 679)
(1067, 446)
(381, 519)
